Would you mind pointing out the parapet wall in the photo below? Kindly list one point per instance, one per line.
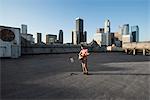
(137, 45)
(56, 49)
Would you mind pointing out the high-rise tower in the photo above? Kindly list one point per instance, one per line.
(107, 26)
(107, 32)
(24, 29)
(74, 37)
(79, 30)
(125, 29)
(39, 37)
(60, 36)
(135, 33)
(85, 36)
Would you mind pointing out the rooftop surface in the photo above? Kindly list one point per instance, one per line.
(112, 76)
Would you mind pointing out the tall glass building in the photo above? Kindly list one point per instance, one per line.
(85, 36)
(60, 36)
(107, 32)
(74, 37)
(79, 30)
(125, 29)
(39, 37)
(135, 33)
(107, 26)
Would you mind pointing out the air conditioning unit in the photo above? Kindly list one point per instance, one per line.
(10, 42)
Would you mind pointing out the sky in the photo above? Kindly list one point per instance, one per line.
(49, 16)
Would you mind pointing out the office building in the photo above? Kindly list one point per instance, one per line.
(112, 38)
(119, 34)
(107, 26)
(85, 36)
(135, 33)
(108, 39)
(100, 37)
(60, 40)
(39, 37)
(24, 29)
(26, 39)
(74, 37)
(118, 39)
(79, 30)
(107, 32)
(120, 29)
(50, 39)
(125, 30)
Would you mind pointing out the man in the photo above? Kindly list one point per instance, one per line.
(83, 57)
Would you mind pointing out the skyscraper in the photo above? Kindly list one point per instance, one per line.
(39, 37)
(125, 29)
(135, 33)
(107, 32)
(100, 37)
(24, 29)
(74, 37)
(120, 30)
(118, 35)
(85, 36)
(107, 26)
(60, 36)
(79, 30)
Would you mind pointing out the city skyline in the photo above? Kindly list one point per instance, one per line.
(50, 16)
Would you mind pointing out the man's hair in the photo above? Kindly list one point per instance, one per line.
(84, 47)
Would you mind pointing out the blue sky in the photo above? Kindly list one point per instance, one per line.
(49, 16)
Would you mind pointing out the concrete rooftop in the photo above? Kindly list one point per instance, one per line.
(113, 76)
